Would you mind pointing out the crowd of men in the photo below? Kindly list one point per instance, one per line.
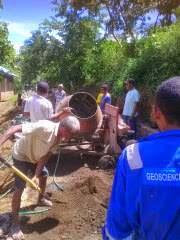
(144, 202)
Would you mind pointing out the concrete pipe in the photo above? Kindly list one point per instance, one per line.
(84, 107)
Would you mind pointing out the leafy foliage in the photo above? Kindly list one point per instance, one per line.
(157, 58)
(82, 58)
(121, 17)
(7, 55)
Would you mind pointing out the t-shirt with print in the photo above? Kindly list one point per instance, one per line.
(39, 108)
(131, 97)
(36, 141)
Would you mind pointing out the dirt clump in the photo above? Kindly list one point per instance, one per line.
(88, 185)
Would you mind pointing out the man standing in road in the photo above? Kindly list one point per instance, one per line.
(130, 110)
(145, 201)
(37, 107)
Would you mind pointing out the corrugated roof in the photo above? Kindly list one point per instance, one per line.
(7, 71)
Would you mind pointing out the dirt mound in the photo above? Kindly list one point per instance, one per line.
(88, 185)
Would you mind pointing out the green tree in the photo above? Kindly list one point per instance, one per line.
(7, 55)
(157, 58)
(32, 57)
(124, 18)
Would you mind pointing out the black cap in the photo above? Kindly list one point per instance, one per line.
(42, 87)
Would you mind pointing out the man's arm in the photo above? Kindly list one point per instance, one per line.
(135, 107)
(40, 165)
(59, 114)
(26, 109)
(136, 98)
(10, 132)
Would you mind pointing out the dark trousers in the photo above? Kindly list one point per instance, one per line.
(132, 124)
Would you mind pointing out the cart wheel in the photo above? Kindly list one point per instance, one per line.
(107, 162)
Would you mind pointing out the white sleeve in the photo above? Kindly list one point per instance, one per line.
(136, 96)
(26, 108)
(50, 110)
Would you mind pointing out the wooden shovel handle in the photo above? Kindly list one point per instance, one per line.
(20, 174)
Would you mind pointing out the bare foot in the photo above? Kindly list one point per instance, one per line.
(16, 232)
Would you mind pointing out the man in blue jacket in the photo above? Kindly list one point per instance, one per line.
(145, 198)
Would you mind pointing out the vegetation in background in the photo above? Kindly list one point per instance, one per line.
(7, 54)
(90, 42)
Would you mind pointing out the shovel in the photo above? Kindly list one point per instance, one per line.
(24, 177)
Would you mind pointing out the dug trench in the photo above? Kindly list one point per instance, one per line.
(78, 212)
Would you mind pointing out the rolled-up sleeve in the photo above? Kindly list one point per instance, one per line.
(26, 107)
(136, 97)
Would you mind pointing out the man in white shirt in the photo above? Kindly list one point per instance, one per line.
(37, 107)
(130, 110)
(31, 153)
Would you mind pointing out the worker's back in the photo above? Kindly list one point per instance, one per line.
(39, 108)
(148, 175)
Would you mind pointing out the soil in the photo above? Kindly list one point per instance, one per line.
(78, 212)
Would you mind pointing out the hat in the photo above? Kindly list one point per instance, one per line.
(130, 80)
(60, 85)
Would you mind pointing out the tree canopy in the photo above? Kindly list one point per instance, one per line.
(75, 46)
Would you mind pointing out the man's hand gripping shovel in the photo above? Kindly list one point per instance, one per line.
(24, 177)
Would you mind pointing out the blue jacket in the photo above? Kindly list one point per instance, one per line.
(145, 197)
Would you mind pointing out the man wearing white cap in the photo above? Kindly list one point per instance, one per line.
(60, 94)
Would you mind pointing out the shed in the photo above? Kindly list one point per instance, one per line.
(6, 84)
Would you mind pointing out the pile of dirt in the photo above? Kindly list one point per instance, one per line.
(78, 212)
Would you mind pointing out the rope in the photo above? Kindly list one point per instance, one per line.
(58, 186)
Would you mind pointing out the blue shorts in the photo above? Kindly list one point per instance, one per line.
(29, 170)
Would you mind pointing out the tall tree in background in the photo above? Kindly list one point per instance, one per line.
(7, 55)
(32, 57)
(122, 18)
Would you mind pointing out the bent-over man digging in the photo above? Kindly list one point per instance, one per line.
(31, 153)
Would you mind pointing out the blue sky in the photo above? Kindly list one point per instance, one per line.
(24, 16)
